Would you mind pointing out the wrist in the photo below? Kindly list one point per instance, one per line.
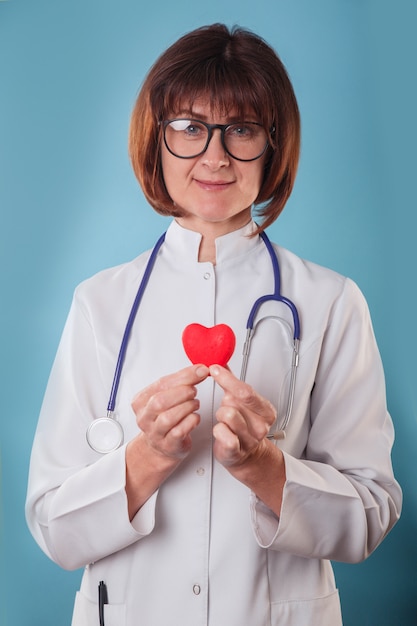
(263, 472)
(146, 470)
(140, 453)
(257, 458)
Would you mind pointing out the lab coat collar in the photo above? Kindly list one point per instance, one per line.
(185, 244)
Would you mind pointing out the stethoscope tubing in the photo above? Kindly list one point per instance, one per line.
(123, 346)
(277, 291)
(112, 429)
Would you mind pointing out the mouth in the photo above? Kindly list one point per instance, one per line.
(213, 185)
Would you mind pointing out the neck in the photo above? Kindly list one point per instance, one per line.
(207, 250)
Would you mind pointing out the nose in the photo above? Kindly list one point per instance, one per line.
(215, 155)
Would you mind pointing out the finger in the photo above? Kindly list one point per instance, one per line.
(161, 402)
(177, 441)
(249, 429)
(226, 438)
(183, 428)
(232, 418)
(172, 418)
(169, 398)
(240, 390)
(191, 375)
(242, 395)
(227, 447)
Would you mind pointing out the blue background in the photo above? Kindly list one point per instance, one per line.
(70, 206)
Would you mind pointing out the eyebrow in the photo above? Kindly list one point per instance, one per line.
(190, 114)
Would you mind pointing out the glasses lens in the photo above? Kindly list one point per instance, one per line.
(245, 141)
(188, 138)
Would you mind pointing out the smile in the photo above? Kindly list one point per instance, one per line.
(213, 185)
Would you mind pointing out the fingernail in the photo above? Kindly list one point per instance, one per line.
(214, 370)
(201, 371)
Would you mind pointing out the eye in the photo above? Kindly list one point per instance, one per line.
(193, 129)
(242, 131)
(190, 129)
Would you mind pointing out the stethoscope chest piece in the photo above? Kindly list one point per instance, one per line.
(104, 435)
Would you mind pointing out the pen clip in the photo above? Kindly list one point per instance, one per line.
(102, 600)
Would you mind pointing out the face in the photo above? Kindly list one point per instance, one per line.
(214, 191)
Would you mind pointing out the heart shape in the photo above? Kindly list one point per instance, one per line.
(209, 346)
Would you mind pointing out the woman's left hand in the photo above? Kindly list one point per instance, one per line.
(243, 420)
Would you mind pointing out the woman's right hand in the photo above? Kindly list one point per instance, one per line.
(166, 413)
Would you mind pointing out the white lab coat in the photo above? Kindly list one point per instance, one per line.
(204, 550)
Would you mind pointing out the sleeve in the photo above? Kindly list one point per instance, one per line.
(76, 505)
(341, 500)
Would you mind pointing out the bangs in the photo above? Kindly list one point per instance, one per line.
(234, 74)
(225, 89)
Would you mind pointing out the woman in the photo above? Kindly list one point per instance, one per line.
(201, 516)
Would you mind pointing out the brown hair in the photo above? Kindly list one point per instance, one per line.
(237, 70)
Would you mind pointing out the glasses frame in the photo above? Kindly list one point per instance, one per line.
(210, 128)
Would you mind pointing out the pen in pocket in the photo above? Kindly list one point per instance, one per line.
(102, 600)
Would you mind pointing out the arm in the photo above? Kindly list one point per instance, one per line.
(340, 499)
(166, 415)
(78, 507)
(243, 421)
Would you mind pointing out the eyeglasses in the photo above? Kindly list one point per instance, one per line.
(243, 141)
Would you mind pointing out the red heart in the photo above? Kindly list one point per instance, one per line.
(209, 346)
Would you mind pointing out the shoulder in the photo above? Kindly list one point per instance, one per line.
(113, 284)
(310, 275)
(305, 270)
(320, 292)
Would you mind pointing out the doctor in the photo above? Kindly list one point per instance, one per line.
(198, 518)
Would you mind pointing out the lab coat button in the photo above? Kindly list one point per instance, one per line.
(207, 275)
(201, 471)
(196, 590)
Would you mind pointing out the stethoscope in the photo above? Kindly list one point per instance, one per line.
(105, 434)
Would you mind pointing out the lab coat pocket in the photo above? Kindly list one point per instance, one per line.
(86, 613)
(324, 611)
